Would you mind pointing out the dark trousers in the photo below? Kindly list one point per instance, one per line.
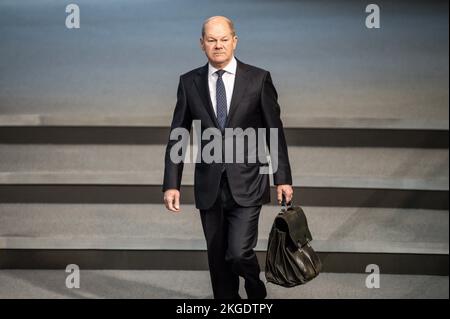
(231, 233)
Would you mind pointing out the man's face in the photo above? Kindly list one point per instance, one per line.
(218, 43)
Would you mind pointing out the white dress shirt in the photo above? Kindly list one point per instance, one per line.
(228, 80)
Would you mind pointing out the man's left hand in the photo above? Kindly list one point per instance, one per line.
(286, 190)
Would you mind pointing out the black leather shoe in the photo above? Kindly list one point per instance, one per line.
(260, 293)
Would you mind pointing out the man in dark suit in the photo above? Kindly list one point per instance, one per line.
(227, 93)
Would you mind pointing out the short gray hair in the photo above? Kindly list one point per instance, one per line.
(230, 24)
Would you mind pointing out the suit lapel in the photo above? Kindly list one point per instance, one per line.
(240, 84)
(201, 82)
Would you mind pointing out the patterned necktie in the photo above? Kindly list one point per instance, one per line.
(221, 100)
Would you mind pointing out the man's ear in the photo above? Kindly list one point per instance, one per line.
(235, 41)
(202, 44)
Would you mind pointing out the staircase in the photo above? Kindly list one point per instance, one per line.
(72, 194)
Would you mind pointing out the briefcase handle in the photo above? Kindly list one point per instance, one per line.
(285, 206)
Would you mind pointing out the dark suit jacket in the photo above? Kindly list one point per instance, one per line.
(253, 104)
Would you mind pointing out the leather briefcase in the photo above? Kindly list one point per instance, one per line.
(290, 259)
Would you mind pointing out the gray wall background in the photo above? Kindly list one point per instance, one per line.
(127, 56)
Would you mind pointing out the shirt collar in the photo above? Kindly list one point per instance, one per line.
(229, 68)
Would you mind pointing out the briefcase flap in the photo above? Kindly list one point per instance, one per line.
(293, 221)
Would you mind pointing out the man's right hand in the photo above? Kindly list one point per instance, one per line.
(172, 199)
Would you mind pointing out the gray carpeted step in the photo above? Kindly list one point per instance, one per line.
(151, 284)
(163, 121)
(335, 229)
(423, 169)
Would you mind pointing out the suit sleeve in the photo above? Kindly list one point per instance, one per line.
(271, 115)
(181, 119)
